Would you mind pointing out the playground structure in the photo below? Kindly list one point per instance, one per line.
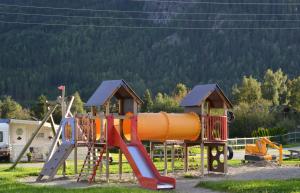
(103, 129)
(259, 152)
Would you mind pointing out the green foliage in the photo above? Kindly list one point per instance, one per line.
(249, 91)
(286, 124)
(10, 109)
(40, 108)
(180, 91)
(263, 105)
(163, 102)
(148, 102)
(265, 132)
(274, 87)
(249, 117)
(77, 106)
(260, 132)
(36, 59)
(295, 93)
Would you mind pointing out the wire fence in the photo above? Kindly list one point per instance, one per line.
(239, 143)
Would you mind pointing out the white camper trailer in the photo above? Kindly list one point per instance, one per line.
(5, 147)
(15, 133)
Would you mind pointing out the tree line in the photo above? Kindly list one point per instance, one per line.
(10, 109)
(272, 103)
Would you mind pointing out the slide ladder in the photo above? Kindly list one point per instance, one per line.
(61, 154)
(141, 164)
(91, 163)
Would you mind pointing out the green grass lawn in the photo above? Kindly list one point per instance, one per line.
(9, 184)
(254, 186)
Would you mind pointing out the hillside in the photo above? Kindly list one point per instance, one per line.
(34, 59)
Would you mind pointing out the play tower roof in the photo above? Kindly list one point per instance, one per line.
(210, 92)
(117, 88)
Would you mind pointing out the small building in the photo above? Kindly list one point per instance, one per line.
(14, 134)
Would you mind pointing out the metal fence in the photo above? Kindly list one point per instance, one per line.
(239, 143)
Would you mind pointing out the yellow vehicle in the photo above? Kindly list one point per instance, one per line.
(259, 151)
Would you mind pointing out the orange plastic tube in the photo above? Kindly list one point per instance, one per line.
(98, 126)
(165, 126)
(98, 129)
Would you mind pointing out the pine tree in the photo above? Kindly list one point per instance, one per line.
(148, 102)
(40, 108)
(77, 106)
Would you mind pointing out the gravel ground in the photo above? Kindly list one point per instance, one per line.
(187, 185)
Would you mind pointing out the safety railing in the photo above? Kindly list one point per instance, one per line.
(292, 137)
(215, 128)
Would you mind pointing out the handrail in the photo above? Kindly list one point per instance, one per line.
(241, 142)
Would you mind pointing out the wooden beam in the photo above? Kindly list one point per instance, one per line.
(63, 114)
(165, 159)
(151, 150)
(186, 157)
(226, 144)
(173, 158)
(75, 149)
(121, 112)
(106, 147)
(202, 141)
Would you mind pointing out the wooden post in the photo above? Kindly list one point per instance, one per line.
(173, 157)
(151, 150)
(33, 136)
(120, 164)
(186, 157)
(75, 149)
(202, 141)
(102, 139)
(106, 147)
(53, 126)
(63, 114)
(121, 112)
(165, 159)
(226, 143)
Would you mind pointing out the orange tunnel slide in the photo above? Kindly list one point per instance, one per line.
(165, 126)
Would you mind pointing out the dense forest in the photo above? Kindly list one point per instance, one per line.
(270, 107)
(35, 59)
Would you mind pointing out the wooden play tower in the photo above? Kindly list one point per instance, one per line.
(114, 122)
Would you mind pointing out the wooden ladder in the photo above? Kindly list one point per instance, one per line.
(98, 161)
(91, 163)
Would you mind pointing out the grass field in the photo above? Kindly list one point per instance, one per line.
(9, 183)
(254, 186)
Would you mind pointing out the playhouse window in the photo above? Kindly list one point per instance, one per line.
(19, 131)
(1, 136)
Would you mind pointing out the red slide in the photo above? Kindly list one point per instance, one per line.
(141, 164)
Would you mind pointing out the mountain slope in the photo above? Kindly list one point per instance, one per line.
(35, 59)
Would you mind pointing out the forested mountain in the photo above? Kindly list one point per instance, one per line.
(34, 59)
